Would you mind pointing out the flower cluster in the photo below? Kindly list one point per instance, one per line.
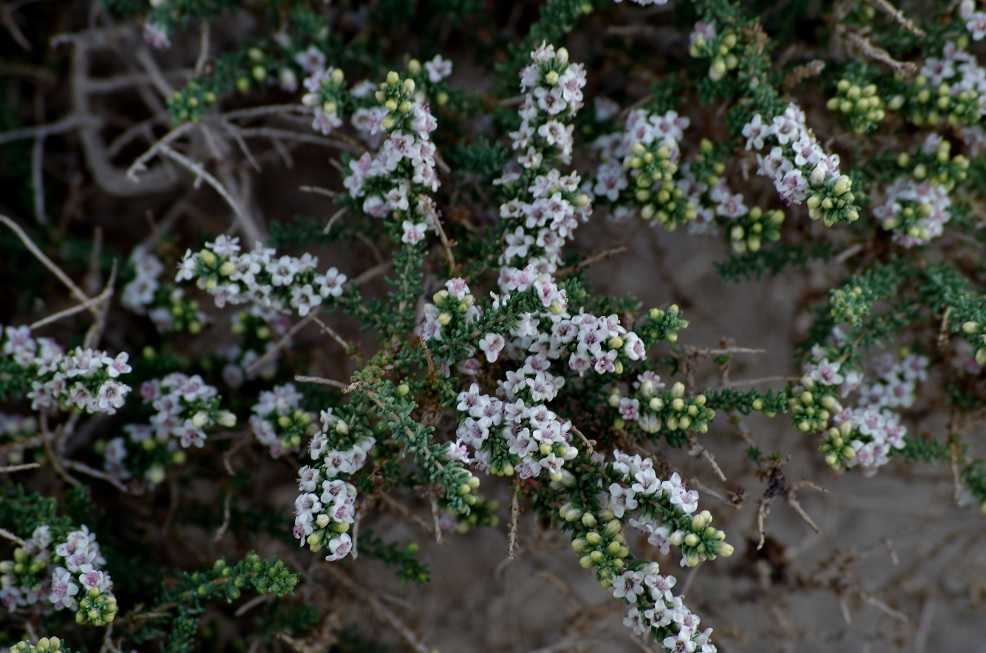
(258, 330)
(85, 379)
(975, 21)
(68, 575)
(323, 520)
(279, 421)
(326, 95)
(915, 211)
(185, 408)
(166, 306)
(863, 435)
(649, 152)
(665, 510)
(552, 88)
(800, 168)
(656, 612)
(395, 181)
(918, 205)
(277, 283)
(949, 88)
(533, 438)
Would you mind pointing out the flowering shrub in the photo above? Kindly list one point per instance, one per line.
(515, 206)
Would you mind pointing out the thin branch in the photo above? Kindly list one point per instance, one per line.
(95, 473)
(322, 381)
(345, 344)
(270, 353)
(878, 54)
(78, 308)
(898, 16)
(10, 536)
(42, 131)
(10, 469)
(250, 230)
(514, 515)
(47, 262)
(382, 612)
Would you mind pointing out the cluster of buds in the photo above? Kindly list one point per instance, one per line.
(812, 404)
(452, 307)
(859, 103)
(279, 421)
(327, 96)
(662, 325)
(720, 49)
(652, 410)
(749, 231)
(277, 283)
(598, 539)
(974, 330)
(44, 645)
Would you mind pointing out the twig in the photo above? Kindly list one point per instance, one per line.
(250, 230)
(252, 603)
(42, 131)
(514, 514)
(260, 362)
(78, 308)
(373, 273)
(384, 613)
(792, 500)
(586, 441)
(203, 48)
(898, 16)
(322, 381)
(436, 517)
(924, 626)
(8, 20)
(404, 512)
(95, 473)
(866, 48)
(10, 469)
(707, 455)
(38, 254)
(109, 178)
(10, 536)
(140, 163)
(446, 245)
(226, 516)
(595, 258)
(345, 344)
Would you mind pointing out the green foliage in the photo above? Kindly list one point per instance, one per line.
(403, 559)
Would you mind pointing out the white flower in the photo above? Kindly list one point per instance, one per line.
(492, 344)
(438, 69)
